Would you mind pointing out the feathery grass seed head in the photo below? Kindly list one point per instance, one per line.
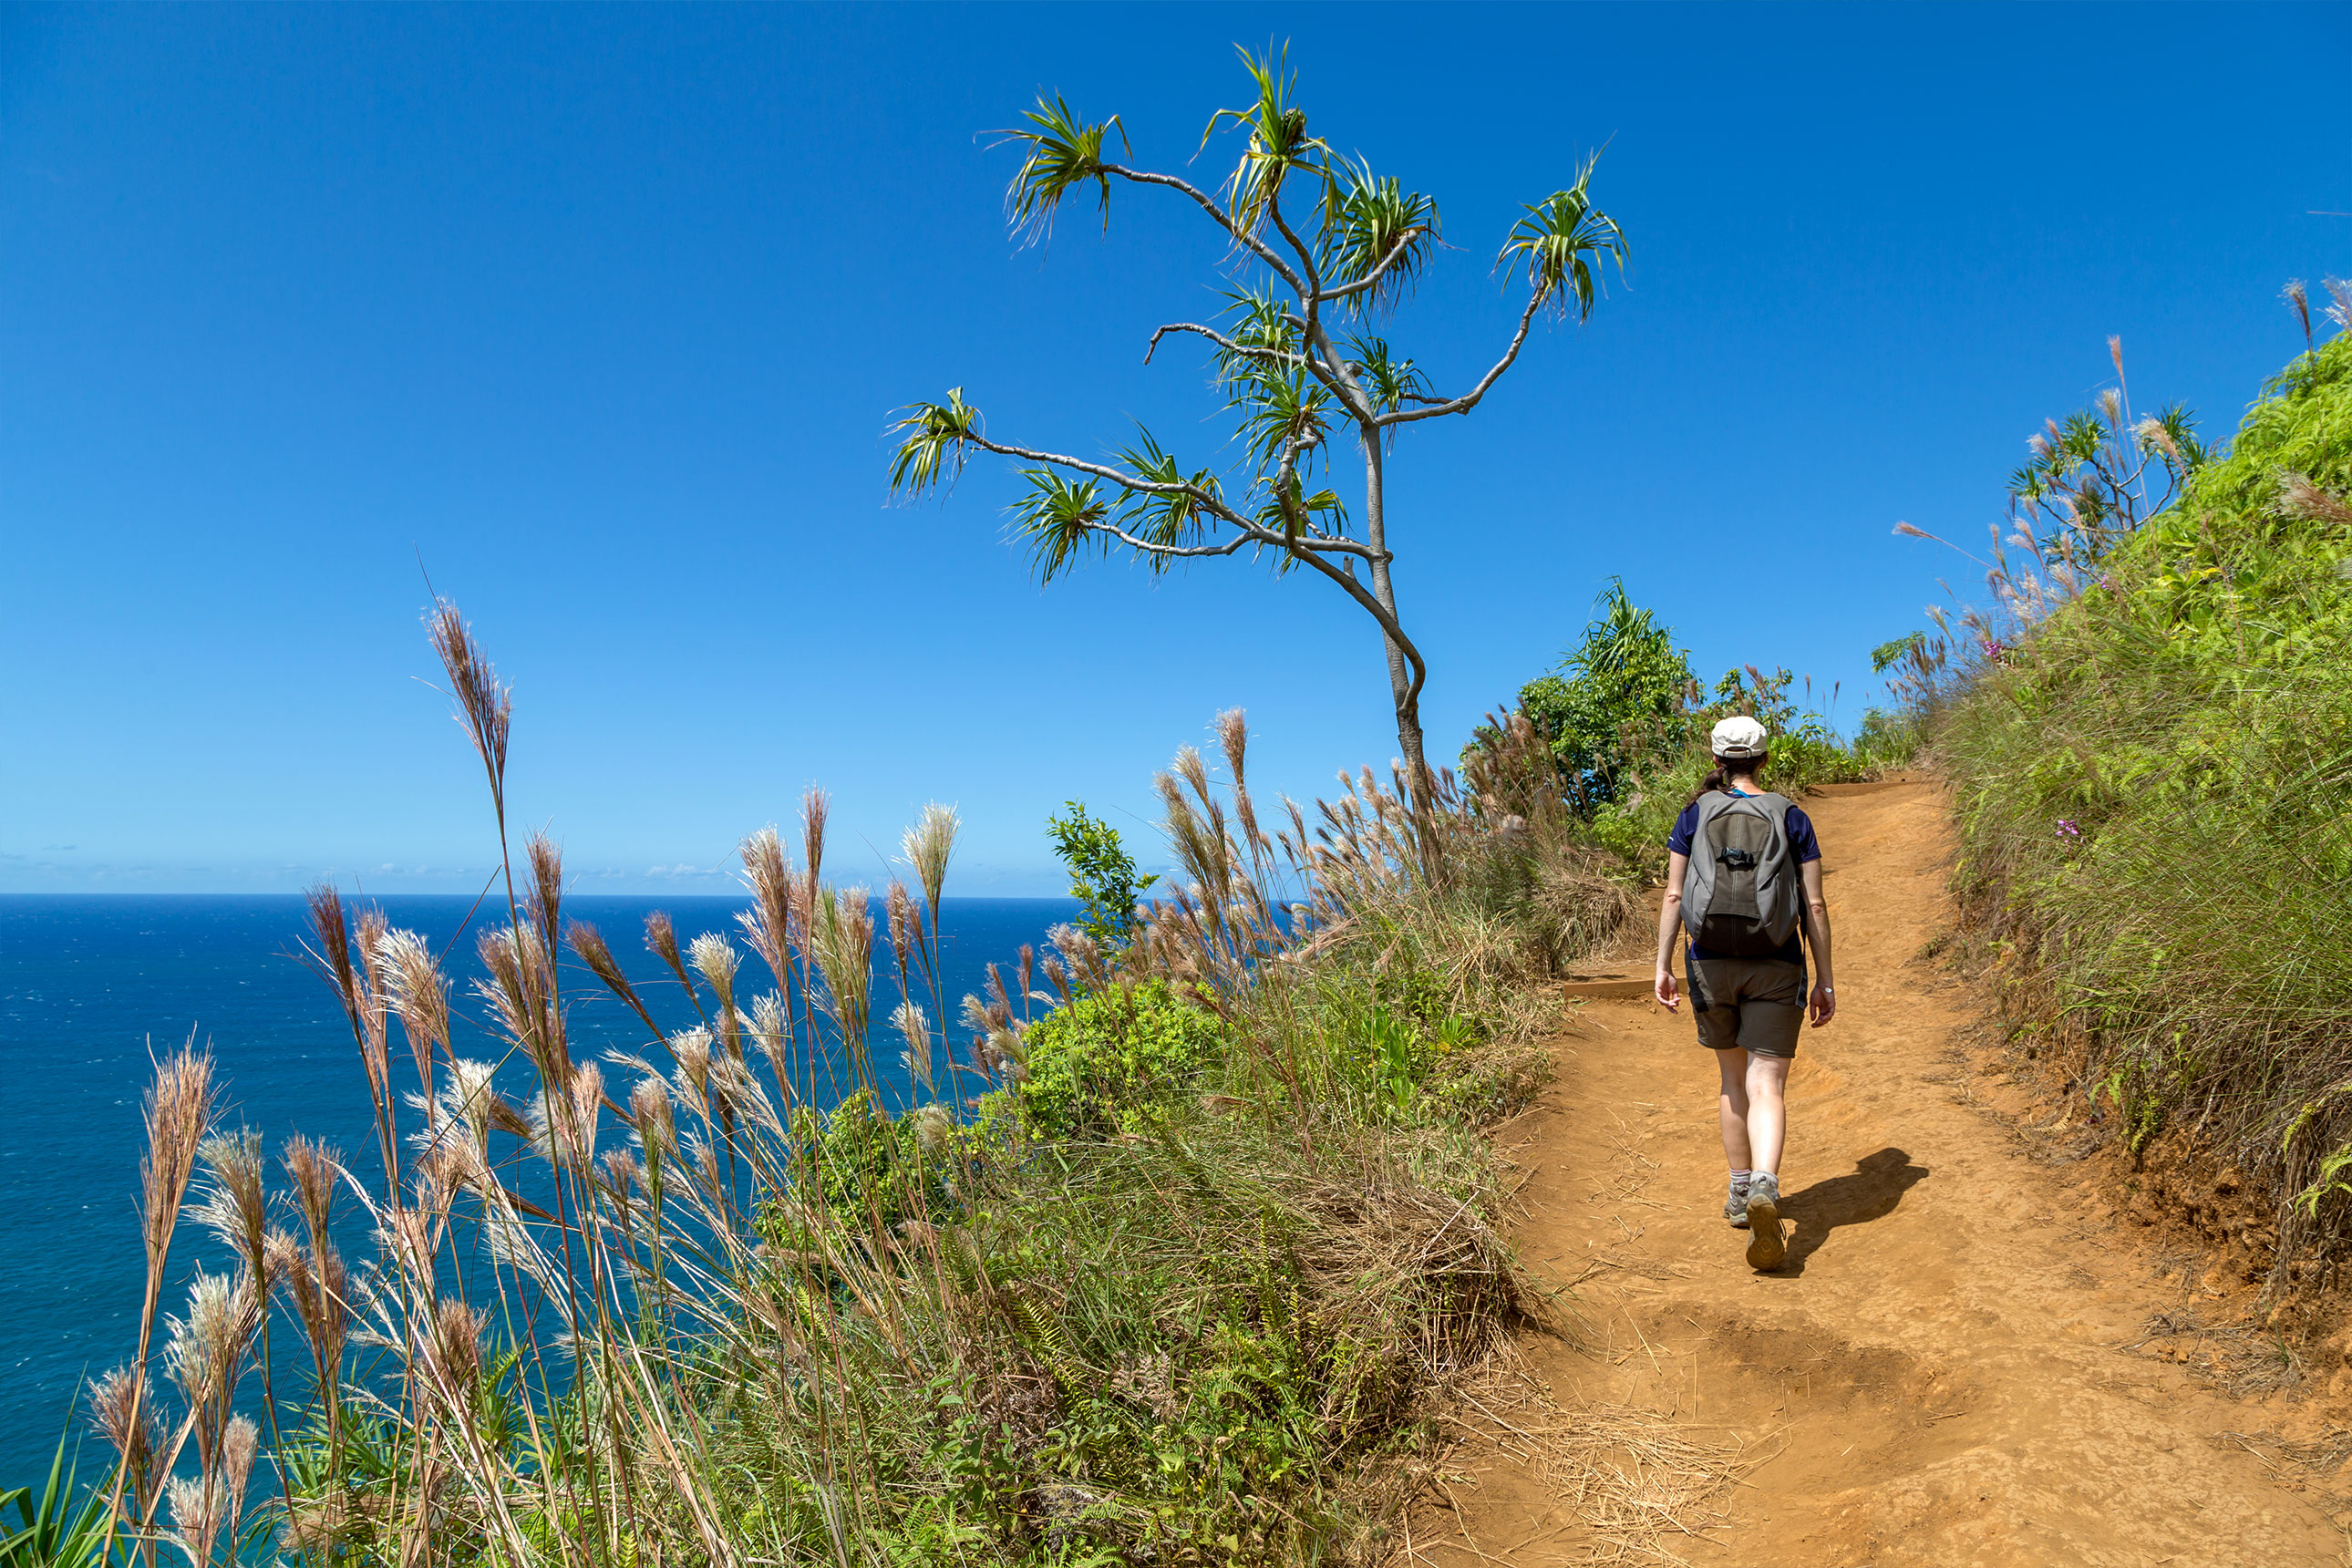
(546, 886)
(899, 905)
(914, 1028)
(485, 706)
(714, 957)
(816, 807)
(414, 988)
(651, 1114)
(179, 1113)
(122, 1409)
(662, 938)
(928, 846)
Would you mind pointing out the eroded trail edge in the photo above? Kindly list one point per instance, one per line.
(1949, 1369)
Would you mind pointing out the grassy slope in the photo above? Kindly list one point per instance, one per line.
(2151, 796)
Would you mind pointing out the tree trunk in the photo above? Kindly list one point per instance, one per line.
(1408, 721)
(1403, 689)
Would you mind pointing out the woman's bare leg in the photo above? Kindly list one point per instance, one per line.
(1766, 1122)
(1732, 1106)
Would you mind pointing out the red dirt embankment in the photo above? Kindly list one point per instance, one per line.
(1955, 1366)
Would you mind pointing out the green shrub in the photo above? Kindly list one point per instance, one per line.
(1613, 702)
(1102, 1062)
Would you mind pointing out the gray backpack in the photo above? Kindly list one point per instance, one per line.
(1743, 893)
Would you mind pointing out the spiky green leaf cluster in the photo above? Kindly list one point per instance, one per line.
(1063, 152)
(1063, 519)
(1277, 144)
(1560, 246)
(931, 441)
(1171, 519)
(1372, 224)
(1389, 383)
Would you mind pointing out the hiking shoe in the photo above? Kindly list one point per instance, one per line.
(1735, 1207)
(1766, 1248)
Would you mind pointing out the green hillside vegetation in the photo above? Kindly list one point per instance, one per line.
(2150, 782)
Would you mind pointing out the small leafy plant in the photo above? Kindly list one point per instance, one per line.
(1103, 874)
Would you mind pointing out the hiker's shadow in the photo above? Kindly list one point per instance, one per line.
(1876, 1186)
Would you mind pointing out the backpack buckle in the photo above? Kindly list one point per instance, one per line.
(1738, 859)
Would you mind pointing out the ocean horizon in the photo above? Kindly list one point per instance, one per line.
(93, 986)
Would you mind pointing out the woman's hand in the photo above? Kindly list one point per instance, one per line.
(1670, 923)
(1824, 1006)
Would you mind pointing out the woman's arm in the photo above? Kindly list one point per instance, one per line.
(1817, 936)
(1670, 916)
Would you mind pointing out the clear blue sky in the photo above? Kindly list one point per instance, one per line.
(603, 310)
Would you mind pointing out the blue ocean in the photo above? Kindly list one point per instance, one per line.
(93, 986)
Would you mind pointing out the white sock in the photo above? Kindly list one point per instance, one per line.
(1740, 1178)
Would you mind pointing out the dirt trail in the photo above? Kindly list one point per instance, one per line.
(1938, 1375)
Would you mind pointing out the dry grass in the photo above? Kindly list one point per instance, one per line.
(1630, 1485)
(2238, 1354)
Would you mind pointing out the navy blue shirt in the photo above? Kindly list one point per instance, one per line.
(1802, 844)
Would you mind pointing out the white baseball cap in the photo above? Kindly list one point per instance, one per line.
(1738, 736)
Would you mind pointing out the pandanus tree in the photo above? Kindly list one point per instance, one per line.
(1324, 249)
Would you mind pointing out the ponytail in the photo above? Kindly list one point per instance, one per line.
(1724, 772)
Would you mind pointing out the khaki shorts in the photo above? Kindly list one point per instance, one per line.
(1757, 1005)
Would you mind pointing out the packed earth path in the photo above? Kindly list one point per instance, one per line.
(1950, 1368)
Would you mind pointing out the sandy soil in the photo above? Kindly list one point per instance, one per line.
(1952, 1367)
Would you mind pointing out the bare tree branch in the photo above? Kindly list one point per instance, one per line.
(1241, 236)
(1182, 552)
(1469, 400)
(1279, 356)
(1116, 476)
(1330, 371)
(1313, 290)
(1310, 553)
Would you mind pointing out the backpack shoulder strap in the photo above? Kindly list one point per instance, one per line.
(1782, 879)
(1698, 873)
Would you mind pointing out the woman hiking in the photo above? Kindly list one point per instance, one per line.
(1743, 875)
